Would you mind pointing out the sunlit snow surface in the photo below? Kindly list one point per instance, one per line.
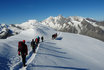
(67, 52)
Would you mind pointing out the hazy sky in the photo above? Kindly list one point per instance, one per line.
(18, 11)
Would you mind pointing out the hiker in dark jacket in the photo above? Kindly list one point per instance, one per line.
(42, 38)
(38, 39)
(54, 36)
(33, 45)
(23, 51)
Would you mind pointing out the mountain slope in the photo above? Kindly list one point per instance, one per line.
(78, 25)
(72, 24)
(68, 51)
(71, 52)
(9, 46)
(9, 30)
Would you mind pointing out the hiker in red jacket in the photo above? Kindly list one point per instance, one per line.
(23, 51)
(36, 41)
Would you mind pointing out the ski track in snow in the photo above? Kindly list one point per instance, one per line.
(30, 58)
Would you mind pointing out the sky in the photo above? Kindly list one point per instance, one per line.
(19, 11)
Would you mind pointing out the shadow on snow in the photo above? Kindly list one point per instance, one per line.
(54, 55)
(20, 65)
(53, 50)
(61, 67)
(59, 38)
(3, 63)
(49, 44)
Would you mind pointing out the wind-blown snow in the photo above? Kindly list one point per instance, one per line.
(67, 52)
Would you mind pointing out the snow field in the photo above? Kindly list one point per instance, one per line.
(67, 52)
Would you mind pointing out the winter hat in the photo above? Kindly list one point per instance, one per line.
(23, 41)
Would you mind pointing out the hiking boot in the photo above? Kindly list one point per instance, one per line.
(25, 65)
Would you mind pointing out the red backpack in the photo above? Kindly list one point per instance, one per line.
(36, 40)
(21, 47)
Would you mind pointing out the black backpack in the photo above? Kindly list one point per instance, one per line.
(32, 43)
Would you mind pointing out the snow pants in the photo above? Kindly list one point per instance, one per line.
(24, 59)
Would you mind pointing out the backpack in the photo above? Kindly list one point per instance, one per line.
(32, 43)
(36, 40)
(21, 47)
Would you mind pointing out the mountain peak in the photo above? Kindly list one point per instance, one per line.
(60, 16)
(76, 18)
(51, 17)
(30, 22)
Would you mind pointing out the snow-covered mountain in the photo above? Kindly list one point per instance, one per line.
(14, 29)
(72, 24)
(9, 30)
(67, 52)
(78, 25)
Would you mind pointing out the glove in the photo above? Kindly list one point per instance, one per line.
(26, 53)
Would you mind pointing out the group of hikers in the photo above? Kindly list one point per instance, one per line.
(54, 36)
(34, 44)
(23, 49)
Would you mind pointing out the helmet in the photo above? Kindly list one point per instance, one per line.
(23, 41)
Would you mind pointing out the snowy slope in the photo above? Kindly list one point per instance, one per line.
(14, 29)
(77, 25)
(28, 24)
(71, 52)
(8, 47)
(68, 51)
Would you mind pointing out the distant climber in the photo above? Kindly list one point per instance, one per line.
(33, 45)
(38, 39)
(54, 36)
(42, 38)
(23, 51)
